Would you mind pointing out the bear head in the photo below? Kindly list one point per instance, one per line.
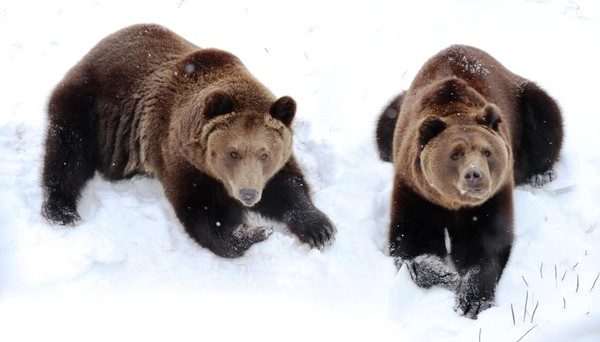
(240, 146)
(464, 158)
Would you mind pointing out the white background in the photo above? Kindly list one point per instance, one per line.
(130, 272)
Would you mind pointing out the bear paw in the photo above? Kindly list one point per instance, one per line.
(471, 308)
(539, 180)
(471, 299)
(315, 229)
(429, 270)
(56, 212)
(243, 237)
(252, 234)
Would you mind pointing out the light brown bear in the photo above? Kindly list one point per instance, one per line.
(146, 101)
(465, 132)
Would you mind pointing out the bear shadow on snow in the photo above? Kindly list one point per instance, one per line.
(461, 137)
(146, 101)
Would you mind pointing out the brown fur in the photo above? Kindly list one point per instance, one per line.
(146, 101)
(465, 132)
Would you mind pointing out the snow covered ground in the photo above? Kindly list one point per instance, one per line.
(129, 271)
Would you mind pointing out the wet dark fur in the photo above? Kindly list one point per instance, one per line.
(481, 236)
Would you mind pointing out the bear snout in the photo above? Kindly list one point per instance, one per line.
(473, 177)
(249, 196)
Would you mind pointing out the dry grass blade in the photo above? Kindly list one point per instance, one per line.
(525, 308)
(526, 283)
(534, 310)
(528, 331)
(512, 311)
(595, 280)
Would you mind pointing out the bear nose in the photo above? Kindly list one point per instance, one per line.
(473, 176)
(248, 196)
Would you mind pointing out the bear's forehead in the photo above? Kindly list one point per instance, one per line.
(467, 134)
(254, 123)
(250, 128)
(239, 128)
(461, 115)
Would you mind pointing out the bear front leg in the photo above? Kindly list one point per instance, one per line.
(477, 288)
(479, 278)
(211, 217)
(286, 198)
(220, 227)
(417, 239)
(481, 245)
(475, 292)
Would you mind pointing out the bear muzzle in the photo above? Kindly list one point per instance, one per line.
(249, 197)
(473, 177)
(474, 186)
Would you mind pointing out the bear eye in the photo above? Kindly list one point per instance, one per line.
(264, 156)
(487, 153)
(234, 155)
(455, 156)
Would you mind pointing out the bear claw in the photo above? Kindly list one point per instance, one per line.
(319, 238)
(313, 228)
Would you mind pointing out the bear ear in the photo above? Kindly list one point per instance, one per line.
(217, 103)
(284, 110)
(430, 127)
(490, 117)
(204, 60)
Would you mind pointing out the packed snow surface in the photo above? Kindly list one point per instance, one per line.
(130, 272)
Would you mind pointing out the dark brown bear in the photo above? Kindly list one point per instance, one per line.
(146, 101)
(465, 132)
